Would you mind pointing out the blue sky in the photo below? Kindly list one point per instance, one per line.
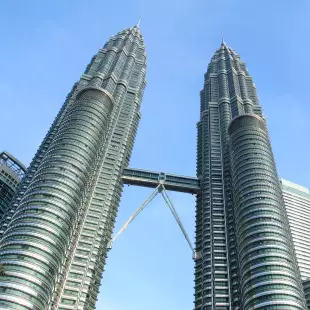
(45, 48)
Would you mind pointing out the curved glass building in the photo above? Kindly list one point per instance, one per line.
(242, 232)
(57, 228)
(11, 173)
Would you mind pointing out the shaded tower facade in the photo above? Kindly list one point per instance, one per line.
(11, 173)
(56, 231)
(247, 257)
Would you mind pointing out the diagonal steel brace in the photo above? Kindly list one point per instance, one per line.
(159, 189)
(145, 203)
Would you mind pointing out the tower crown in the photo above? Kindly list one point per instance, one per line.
(228, 79)
(132, 31)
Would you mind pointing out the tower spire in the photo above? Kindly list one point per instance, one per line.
(138, 24)
(223, 42)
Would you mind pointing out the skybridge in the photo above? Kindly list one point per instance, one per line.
(161, 182)
(173, 182)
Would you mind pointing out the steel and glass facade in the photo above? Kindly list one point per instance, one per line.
(56, 230)
(297, 205)
(247, 258)
(11, 173)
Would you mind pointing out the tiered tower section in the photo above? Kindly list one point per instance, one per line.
(55, 234)
(11, 173)
(241, 227)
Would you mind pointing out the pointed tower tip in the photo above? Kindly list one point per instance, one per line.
(223, 42)
(138, 24)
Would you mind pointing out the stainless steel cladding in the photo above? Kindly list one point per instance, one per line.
(246, 263)
(55, 235)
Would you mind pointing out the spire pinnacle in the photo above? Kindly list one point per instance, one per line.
(223, 42)
(138, 24)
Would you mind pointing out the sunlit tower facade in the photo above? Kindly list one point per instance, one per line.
(242, 232)
(56, 231)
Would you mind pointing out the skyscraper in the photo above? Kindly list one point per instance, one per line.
(242, 229)
(57, 228)
(56, 231)
(297, 204)
(11, 173)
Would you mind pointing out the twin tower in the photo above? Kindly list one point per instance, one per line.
(56, 231)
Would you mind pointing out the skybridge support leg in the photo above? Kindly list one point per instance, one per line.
(145, 203)
(159, 189)
(170, 205)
